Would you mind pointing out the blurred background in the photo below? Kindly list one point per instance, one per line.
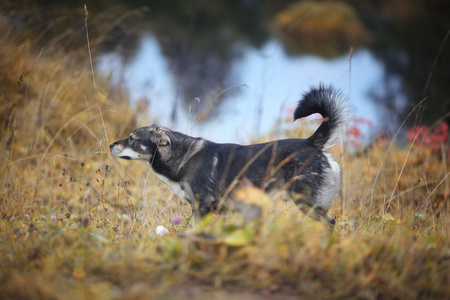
(230, 70)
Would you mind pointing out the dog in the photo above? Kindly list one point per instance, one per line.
(204, 173)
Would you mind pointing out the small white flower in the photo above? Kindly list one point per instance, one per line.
(161, 230)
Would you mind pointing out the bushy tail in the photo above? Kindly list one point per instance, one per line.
(334, 109)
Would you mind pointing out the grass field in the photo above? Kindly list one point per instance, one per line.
(78, 224)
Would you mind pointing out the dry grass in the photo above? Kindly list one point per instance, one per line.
(78, 224)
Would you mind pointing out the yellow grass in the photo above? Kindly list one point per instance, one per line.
(78, 224)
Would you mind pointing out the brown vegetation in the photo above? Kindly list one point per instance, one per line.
(78, 224)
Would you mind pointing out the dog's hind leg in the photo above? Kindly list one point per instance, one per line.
(322, 215)
(316, 212)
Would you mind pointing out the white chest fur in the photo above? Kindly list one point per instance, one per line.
(176, 187)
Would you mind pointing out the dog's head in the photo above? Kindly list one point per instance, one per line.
(143, 143)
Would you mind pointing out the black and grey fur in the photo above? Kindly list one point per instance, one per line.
(203, 172)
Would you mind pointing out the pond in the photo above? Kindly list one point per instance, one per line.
(228, 70)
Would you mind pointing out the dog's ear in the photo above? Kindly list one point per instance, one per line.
(164, 139)
(167, 138)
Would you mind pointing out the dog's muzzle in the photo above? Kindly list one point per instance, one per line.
(117, 151)
(114, 150)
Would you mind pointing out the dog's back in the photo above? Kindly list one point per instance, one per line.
(301, 166)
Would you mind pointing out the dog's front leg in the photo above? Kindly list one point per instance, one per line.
(190, 197)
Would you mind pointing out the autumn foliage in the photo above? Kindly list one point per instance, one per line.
(433, 138)
(76, 223)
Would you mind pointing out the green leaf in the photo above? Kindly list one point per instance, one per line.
(101, 238)
(238, 238)
(388, 217)
(204, 223)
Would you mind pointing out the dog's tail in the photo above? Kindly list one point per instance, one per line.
(334, 109)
